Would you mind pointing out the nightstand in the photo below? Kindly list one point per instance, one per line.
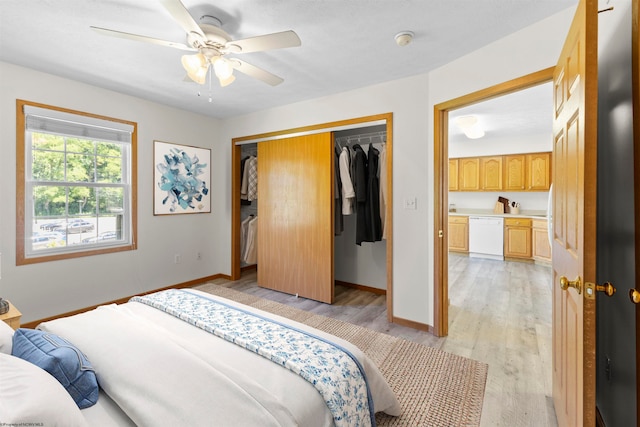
(11, 317)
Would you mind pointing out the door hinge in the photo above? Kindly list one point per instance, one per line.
(440, 233)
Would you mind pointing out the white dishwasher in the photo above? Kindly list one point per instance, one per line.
(486, 237)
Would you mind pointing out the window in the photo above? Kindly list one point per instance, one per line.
(76, 184)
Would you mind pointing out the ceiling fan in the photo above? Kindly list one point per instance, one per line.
(212, 43)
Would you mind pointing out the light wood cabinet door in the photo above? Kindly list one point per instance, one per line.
(491, 173)
(541, 249)
(453, 175)
(538, 171)
(469, 174)
(517, 238)
(295, 221)
(515, 173)
(459, 233)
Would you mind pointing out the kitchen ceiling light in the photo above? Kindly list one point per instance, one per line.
(465, 122)
(474, 133)
(469, 125)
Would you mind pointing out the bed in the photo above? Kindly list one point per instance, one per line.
(185, 357)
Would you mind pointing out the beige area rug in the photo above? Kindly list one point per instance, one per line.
(434, 388)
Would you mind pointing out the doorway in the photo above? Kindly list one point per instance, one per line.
(441, 178)
(499, 310)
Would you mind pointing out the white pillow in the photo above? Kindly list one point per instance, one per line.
(29, 395)
(6, 338)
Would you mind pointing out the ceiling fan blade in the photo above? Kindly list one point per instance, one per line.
(255, 72)
(265, 42)
(129, 36)
(182, 15)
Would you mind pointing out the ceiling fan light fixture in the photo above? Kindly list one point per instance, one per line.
(192, 63)
(222, 68)
(227, 81)
(199, 76)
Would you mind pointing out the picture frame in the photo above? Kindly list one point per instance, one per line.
(181, 179)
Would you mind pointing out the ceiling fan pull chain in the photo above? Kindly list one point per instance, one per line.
(210, 98)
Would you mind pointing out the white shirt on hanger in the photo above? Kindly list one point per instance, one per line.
(348, 193)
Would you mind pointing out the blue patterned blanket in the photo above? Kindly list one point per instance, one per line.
(331, 369)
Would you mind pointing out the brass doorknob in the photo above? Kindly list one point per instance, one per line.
(607, 288)
(634, 295)
(566, 284)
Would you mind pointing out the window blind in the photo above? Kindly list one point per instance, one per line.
(75, 125)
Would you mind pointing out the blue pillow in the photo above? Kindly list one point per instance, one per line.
(62, 360)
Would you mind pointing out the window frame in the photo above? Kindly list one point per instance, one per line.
(22, 257)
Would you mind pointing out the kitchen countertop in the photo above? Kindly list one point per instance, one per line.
(489, 212)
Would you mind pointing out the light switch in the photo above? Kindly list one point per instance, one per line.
(411, 203)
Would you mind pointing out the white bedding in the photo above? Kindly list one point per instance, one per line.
(162, 371)
(105, 413)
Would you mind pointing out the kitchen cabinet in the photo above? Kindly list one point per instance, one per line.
(459, 233)
(491, 173)
(540, 241)
(453, 174)
(517, 238)
(538, 171)
(469, 174)
(515, 173)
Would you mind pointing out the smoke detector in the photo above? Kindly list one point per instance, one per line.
(404, 38)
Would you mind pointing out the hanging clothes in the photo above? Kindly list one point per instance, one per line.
(243, 201)
(382, 176)
(244, 186)
(252, 184)
(251, 248)
(338, 220)
(359, 177)
(372, 206)
(348, 193)
(244, 230)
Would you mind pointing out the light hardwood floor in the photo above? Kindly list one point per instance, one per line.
(499, 313)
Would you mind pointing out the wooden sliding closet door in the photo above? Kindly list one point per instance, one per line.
(295, 221)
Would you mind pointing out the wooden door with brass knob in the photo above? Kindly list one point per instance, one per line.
(574, 221)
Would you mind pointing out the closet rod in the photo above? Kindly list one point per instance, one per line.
(366, 138)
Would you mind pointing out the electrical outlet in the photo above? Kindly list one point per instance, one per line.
(198, 256)
(177, 258)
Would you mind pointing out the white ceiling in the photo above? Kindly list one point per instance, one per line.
(525, 112)
(346, 44)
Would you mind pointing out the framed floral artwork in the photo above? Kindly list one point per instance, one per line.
(181, 179)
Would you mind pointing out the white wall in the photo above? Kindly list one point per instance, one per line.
(50, 288)
(411, 100)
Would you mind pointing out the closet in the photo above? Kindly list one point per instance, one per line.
(299, 250)
(363, 264)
